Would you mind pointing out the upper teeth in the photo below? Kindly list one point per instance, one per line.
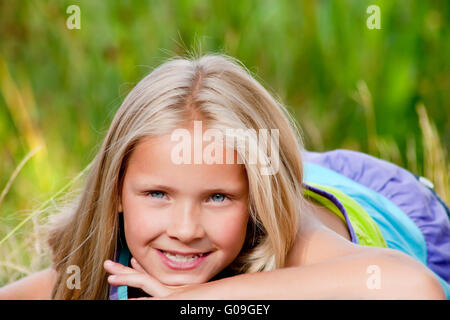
(181, 258)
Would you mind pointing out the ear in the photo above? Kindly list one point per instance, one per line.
(120, 205)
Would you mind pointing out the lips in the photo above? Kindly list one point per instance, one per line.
(185, 254)
(182, 260)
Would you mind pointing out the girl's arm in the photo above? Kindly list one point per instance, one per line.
(372, 273)
(38, 286)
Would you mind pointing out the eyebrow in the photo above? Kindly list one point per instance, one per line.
(227, 190)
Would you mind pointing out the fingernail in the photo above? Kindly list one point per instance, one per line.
(113, 277)
(109, 263)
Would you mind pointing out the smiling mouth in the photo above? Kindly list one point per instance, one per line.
(183, 258)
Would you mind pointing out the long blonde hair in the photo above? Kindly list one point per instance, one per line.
(221, 92)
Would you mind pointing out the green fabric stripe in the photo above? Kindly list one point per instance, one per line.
(325, 202)
(365, 227)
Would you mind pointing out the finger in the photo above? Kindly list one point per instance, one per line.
(135, 264)
(141, 281)
(116, 268)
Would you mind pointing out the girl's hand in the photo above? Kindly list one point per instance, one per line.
(137, 277)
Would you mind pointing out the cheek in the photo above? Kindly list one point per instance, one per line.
(141, 226)
(229, 234)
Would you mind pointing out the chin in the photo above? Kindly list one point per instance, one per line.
(182, 280)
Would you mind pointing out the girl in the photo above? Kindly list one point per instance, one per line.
(167, 216)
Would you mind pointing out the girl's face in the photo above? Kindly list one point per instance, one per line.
(175, 212)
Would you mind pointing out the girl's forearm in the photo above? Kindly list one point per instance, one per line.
(364, 276)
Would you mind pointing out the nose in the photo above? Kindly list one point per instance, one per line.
(185, 223)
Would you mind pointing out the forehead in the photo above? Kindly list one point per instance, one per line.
(153, 156)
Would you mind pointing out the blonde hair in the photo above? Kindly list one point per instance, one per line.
(221, 92)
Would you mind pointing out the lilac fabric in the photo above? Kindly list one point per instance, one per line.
(404, 190)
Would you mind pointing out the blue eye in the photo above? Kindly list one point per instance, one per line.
(218, 197)
(156, 194)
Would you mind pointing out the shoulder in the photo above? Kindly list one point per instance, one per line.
(37, 286)
(323, 247)
(317, 243)
(318, 237)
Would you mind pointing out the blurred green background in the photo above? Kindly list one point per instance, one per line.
(383, 91)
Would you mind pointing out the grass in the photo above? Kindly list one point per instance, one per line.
(16, 172)
(437, 168)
